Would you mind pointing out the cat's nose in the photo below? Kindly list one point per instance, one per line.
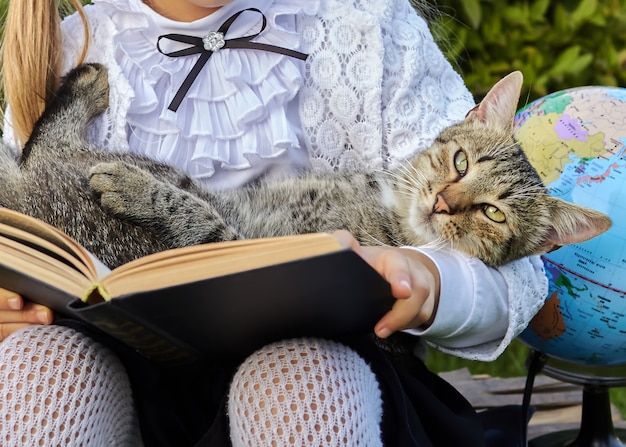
(441, 206)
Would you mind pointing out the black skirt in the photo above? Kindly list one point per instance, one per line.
(187, 406)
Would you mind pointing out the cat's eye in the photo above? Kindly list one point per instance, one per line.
(460, 162)
(494, 213)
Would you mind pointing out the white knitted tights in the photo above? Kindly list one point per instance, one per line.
(305, 392)
(61, 388)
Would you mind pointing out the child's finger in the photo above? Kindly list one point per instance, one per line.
(401, 316)
(10, 300)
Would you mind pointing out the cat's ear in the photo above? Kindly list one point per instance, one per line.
(499, 106)
(572, 224)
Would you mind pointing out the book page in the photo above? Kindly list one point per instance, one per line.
(189, 264)
(45, 249)
(45, 269)
(52, 241)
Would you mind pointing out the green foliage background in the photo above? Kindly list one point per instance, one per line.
(556, 44)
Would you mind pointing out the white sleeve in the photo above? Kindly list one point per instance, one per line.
(482, 309)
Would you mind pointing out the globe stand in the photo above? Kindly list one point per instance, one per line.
(596, 427)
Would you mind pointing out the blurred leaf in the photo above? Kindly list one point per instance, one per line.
(473, 11)
(561, 20)
(584, 11)
(517, 14)
(556, 44)
(539, 9)
(565, 60)
(580, 64)
(598, 20)
(492, 29)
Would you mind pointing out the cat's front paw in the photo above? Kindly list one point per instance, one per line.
(124, 189)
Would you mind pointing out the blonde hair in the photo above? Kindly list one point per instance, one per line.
(31, 58)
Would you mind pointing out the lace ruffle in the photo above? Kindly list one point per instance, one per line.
(238, 104)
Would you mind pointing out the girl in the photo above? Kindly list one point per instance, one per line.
(373, 89)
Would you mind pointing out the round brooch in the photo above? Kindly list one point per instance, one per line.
(213, 41)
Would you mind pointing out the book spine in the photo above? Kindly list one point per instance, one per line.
(130, 330)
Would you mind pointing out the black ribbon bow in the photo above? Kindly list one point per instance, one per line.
(210, 43)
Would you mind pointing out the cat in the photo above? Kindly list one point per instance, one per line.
(473, 190)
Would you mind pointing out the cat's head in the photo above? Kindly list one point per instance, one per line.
(476, 191)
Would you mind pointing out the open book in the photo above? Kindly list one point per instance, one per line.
(180, 305)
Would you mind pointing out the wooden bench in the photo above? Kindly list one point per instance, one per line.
(558, 404)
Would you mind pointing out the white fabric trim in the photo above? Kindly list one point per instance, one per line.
(236, 107)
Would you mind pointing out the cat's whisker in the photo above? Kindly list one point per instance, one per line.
(499, 146)
(396, 242)
(408, 173)
(416, 175)
(370, 239)
(534, 188)
(407, 193)
(529, 191)
(392, 175)
(436, 245)
(409, 189)
(401, 183)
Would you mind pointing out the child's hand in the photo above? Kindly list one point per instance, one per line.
(15, 313)
(414, 282)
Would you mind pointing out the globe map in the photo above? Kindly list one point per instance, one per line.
(576, 139)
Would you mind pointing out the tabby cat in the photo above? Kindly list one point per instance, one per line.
(473, 190)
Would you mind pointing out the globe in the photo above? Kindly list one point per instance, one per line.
(576, 139)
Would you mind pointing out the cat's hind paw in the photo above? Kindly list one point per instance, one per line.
(87, 85)
(124, 190)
